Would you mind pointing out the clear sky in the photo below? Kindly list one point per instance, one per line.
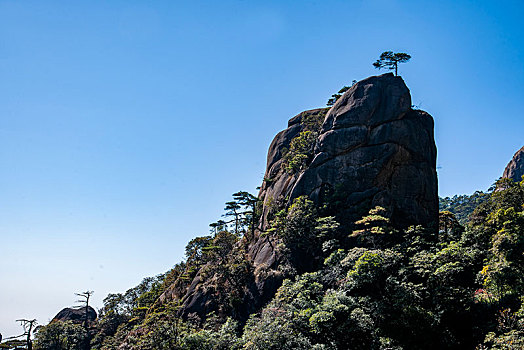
(126, 125)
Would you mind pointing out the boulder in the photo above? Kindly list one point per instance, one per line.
(76, 315)
(373, 147)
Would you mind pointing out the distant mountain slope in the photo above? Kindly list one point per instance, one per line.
(462, 205)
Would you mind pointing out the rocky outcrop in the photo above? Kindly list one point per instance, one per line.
(370, 149)
(515, 168)
(76, 315)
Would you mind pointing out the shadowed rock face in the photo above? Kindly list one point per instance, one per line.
(76, 315)
(515, 168)
(372, 147)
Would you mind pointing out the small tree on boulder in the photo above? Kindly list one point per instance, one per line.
(334, 98)
(390, 60)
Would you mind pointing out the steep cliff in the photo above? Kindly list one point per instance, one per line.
(372, 146)
(323, 259)
(372, 149)
(515, 168)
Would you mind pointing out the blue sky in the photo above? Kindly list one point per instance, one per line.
(126, 125)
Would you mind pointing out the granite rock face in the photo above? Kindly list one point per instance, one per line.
(515, 168)
(373, 147)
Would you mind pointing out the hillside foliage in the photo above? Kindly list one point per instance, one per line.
(461, 206)
(300, 150)
(458, 287)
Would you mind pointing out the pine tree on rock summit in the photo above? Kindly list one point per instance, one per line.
(390, 60)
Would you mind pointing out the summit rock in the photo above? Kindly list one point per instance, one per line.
(372, 149)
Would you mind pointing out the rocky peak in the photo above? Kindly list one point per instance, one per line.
(372, 146)
(370, 149)
(515, 168)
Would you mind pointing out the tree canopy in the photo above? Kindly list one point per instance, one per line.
(390, 60)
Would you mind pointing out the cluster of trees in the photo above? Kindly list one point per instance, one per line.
(461, 206)
(461, 287)
(219, 255)
(377, 287)
(300, 151)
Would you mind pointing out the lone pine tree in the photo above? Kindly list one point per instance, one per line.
(390, 60)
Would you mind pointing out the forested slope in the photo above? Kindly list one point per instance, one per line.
(343, 248)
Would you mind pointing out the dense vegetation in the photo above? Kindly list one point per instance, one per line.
(458, 287)
(300, 150)
(461, 206)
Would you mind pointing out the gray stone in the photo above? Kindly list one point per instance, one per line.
(371, 142)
